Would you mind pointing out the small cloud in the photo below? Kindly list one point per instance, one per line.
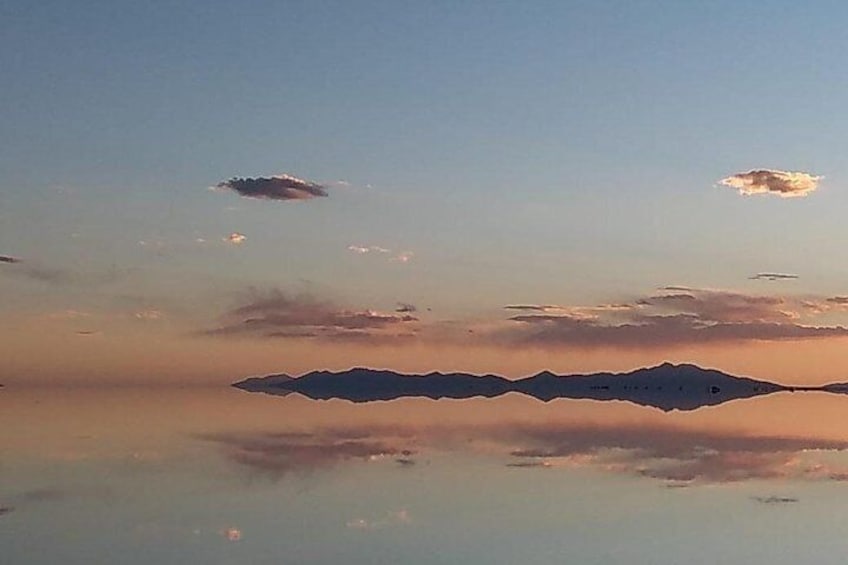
(232, 534)
(785, 184)
(87, 333)
(839, 300)
(677, 288)
(236, 238)
(278, 187)
(9, 259)
(535, 307)
(773, 277)
(404, 257)
(149, 315)
(6, 510)
(359, 524)
(362, 249)
(405, 462)
(774, 499)
(530, 464)
(405, 308)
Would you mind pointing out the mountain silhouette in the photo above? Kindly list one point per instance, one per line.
(667, 386)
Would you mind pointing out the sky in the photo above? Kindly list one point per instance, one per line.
(197, 192)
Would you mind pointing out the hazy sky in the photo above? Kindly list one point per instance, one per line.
(582, 162)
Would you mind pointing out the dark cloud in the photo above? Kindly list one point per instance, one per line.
(839, 300)
(9, 259)
(679, 316)
(405, 308)
(529, 464)
(773, 277)
(774, 499)
(6, 510)
(277, 314)
(766, 181)
(533, 307)
(279, 187)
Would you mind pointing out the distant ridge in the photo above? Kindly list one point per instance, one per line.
(666, 386)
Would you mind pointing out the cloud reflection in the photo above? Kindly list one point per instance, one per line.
(676, 455)
(275, 455)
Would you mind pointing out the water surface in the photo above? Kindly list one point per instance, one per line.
(218, 475)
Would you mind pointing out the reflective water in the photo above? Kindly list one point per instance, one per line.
(218, 475)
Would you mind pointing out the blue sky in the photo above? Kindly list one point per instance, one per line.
(546, 152)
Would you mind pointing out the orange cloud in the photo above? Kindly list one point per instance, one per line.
(786, 184)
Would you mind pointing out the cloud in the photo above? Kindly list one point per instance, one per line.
(573, 312)
(406, 308)
(785, 184)
(773, 277)
(236, 238)
(277, 314)
(231, 534)
(530, 464)
(9, 259)
(6, 510)
(677, 316)
(774, 499)
(278, 187)
(403, 257)
(535, 307)
(362, 250)
(839, 300)
(149, 315)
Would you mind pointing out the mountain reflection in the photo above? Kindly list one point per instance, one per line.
(667, 387)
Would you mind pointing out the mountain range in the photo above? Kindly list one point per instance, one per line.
(667, 386)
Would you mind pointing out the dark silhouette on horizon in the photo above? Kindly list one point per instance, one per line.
(667, 386)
